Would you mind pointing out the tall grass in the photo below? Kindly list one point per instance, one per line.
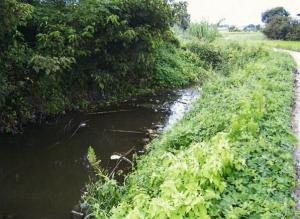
(202, 31)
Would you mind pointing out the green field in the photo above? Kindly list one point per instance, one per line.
(259, 38)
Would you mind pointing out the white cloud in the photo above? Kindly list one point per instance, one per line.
(237, 12)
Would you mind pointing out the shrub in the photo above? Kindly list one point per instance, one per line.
(211, 54)
(176, 67)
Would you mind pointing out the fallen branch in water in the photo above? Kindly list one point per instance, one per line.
(81, 125)
(181, 102)
(125, 131)
(68, 125)
(112, 111)
(112, 173)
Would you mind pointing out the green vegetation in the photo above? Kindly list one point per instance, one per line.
(65, 55)
(243, 36)
(202, 31)
(230, 157)
(289, 45)
(279, 26)
(257, 38)
(269, 15)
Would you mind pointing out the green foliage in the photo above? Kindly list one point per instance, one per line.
(230, 157)
(59, 55)
(105, 189)
(268, 15)
(277, 28)
(203, 31)
(176, 67)
(181, 15)
(184, 185)
(197, 32)
(280, 26)
(211, 54)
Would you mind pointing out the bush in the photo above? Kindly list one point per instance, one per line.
(211, 54)
(176, 67)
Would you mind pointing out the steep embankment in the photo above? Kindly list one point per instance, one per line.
(230, 157)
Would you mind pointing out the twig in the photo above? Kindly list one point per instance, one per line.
(112, 111)
(68, 125)
(125, 131)
(112, 173)
(181, 102)
(81, 125)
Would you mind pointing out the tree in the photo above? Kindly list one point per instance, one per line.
(268, 15)
(181, 15)
(278, 28)
(295, 33)
(233, 29)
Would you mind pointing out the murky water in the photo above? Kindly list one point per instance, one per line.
(43, 172)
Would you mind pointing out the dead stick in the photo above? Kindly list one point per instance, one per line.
(125, 131)
(112, 173)
(113, 111)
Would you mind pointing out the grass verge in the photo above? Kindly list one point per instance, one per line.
(259, 38)
(230, 157)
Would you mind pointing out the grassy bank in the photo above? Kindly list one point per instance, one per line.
(259, 38)
(230, 157)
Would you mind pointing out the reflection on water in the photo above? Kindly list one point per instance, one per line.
(43, 171)
(181, 105)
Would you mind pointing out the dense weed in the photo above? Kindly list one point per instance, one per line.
(230, 157)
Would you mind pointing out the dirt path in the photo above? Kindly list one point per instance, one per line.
(296, 123)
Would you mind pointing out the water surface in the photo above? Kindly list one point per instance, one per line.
(43, 172)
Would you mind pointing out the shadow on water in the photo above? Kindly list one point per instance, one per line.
(43, 172)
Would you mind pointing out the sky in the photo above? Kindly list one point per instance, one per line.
(237, 12)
